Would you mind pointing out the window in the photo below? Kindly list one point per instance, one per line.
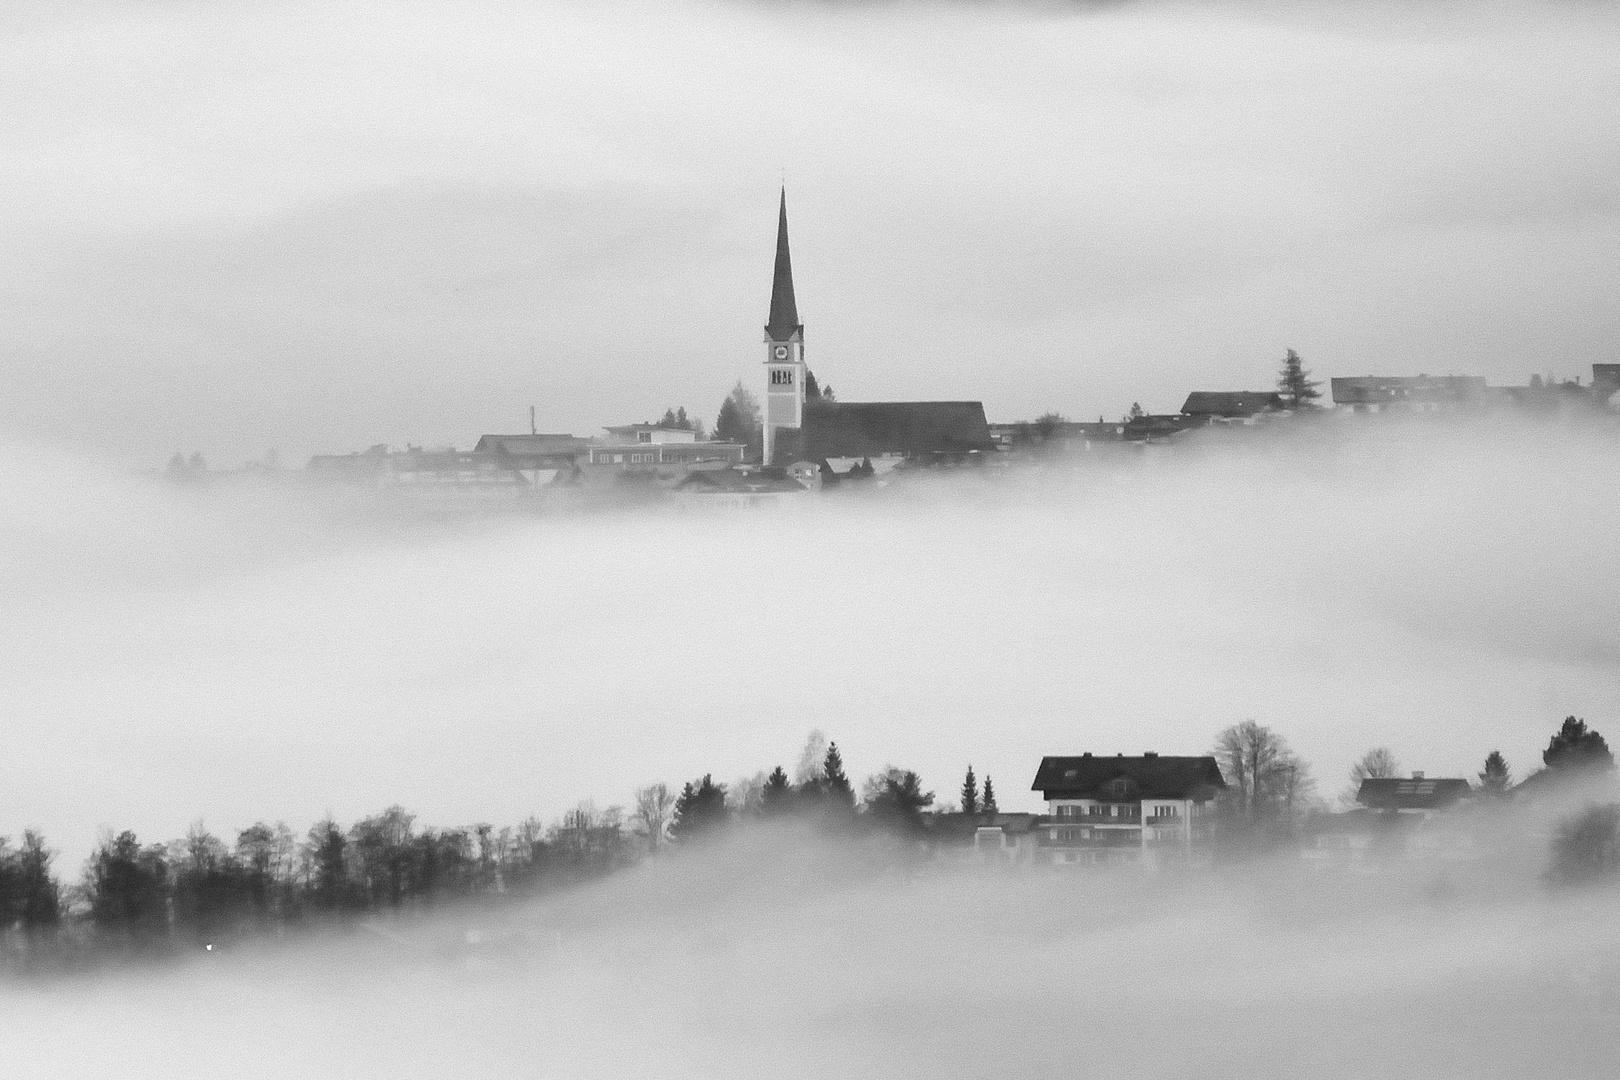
(1120, 788)
(781, 376)
(643, 436)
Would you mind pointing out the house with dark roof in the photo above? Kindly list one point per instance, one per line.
(1212, 405)
(1412, 393)
(1416, 794)
(1399, 818)
(1148, 809)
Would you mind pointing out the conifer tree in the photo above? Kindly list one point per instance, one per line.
(738, 419)
(1576, 746)
(970, 793)
(701, 809)
(1496, 778)
(1299, 390)
(989, 803)
(835, 785)
(776, 797)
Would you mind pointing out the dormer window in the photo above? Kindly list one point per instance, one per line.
(1120, 788)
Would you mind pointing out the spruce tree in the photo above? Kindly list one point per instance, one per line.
(970, 793)
(1299, 390)
(701, 809)
(776, 797)
(1496, 779)
(835, 786)
(738, 419)
(990, 797)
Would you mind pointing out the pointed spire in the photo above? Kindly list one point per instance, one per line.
(784, 311)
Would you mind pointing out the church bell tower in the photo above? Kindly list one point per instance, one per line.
(784, 349)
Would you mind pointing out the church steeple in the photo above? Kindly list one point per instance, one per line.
(784, 351)
(784, 322)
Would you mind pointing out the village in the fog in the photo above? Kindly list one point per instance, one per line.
(1245, 797)
(783, 434)
(940, 538)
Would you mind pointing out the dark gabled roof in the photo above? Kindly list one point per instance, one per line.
(1413, 793)
(863, 429)
(784, 320)
(1384, 389)
(1154, 776)
(1231, 402)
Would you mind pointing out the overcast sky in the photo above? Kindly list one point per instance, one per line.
(230, 227)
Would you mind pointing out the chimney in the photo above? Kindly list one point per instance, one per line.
(1417, 774)
(1150, 753)
(1086, 754)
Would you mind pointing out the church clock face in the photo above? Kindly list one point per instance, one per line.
(781, 352)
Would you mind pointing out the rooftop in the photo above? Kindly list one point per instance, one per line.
(1151, 776)
(1231, 402)
(865, 429)
(1414, 793)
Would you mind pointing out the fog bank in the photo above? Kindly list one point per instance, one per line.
(238, 655)
(770, 956)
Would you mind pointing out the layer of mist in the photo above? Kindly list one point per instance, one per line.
(244, 654)
(775, 953)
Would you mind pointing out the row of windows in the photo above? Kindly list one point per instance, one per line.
(1119, 810)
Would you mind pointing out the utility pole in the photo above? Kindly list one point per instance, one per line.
(532, 429)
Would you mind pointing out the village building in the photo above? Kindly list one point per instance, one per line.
(988, 839)
(1152, 809)
(736, 488)
(1396, 818)
(1471, 393)
(1213, 406)
(800, 429)
(436, 473)
(539, 458)
(1416, 794)
(647, 447)
(1409, 393)
(1057, 434)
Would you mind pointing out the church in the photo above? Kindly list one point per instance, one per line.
(798, 427)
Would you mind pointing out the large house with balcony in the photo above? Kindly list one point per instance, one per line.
(1151, 810)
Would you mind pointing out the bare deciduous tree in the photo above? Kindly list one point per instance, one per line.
(651, 813)
(1265, 775)
(810, 759)
(1376, 764)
